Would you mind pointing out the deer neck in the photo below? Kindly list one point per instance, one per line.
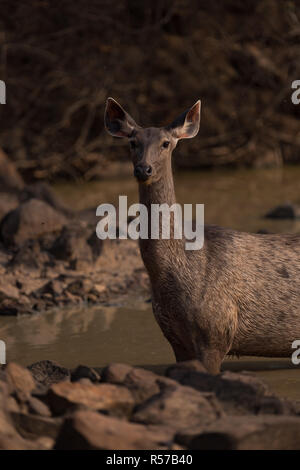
(161, 253)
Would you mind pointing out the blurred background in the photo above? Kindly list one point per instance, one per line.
(61, 59)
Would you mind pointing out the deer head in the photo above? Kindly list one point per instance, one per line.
(151, 147)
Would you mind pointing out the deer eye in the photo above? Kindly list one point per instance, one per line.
(166, 144)
(133, 144)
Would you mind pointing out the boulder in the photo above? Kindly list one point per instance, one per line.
(88, 430)
(48, 372)
(142, 383)
(179, 407)
(45, 193)
(263, 432)
(20, 381)
(71, 244)
(9, 438)
(30, 220)
(32, 426)
(37, 407)
(238, 393)
(284, 211)
(84, 372)
(66, 396)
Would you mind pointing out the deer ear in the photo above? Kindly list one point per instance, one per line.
(117, 122)
(187, 124)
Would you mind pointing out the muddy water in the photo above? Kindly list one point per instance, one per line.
(127, 332)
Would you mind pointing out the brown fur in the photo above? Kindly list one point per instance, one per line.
(238, 295)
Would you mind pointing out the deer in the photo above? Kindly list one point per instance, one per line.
(237, 295)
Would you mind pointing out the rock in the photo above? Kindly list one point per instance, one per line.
(32, 426)
(98, 289)
(284, 211)
(10, 179)
(48, 372)
(247, 433)
(88, 430)
(37, 407)
(16, 442)
(19, 380)
(53, 287)
(238, 393)
(8, 291)
(29, 255)
(81, 265)
(80, 287)
(6, 426)
(179, 407)
(45, 442)
(45, 193)
(82, 372)
(142, 383)
(116, 373)
(29, 221)
(72, 245)
(12, 405)
(96, 245)
(9, 438)
(103, 397)
(8, 202)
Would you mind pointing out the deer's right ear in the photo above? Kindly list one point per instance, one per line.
(117, 122)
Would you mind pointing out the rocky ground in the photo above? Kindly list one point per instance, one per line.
(50, 256)
(46, 406)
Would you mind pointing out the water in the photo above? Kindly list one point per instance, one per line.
(128, 333)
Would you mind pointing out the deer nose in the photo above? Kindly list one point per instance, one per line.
(142, 173)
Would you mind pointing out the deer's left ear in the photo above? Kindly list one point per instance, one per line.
(117, 122)
(187, 124)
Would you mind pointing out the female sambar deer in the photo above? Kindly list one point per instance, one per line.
(240, 293)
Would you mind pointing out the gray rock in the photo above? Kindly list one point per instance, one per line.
(30, 220)
(84, 372)
(284, 211)
(47, 372)
(71, 244)
(179, 407)
(238, 393)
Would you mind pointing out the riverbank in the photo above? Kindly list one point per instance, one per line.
(50, 255)
(33, 279)
(47, 406)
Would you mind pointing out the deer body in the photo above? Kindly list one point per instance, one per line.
(238, 295)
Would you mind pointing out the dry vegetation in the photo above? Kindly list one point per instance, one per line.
(61, 59)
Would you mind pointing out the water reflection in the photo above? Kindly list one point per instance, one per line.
(98, 336)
